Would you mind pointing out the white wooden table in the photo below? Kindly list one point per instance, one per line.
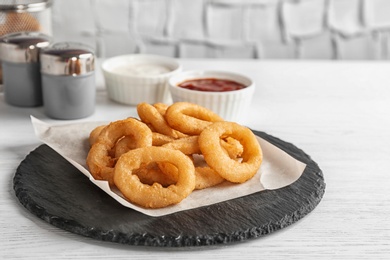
(338, 113)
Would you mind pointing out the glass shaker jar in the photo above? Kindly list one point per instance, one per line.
(25, 15)
(68, 80)
(19, 54)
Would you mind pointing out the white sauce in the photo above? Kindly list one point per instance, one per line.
(142, 69)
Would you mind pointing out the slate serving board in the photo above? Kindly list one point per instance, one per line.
(55, 191)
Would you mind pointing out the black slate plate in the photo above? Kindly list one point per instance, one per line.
(55, 191)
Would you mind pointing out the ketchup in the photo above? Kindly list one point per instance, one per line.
(211, 85)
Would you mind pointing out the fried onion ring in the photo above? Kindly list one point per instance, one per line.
(95, 134)
(150, 115)
(155, 195)
(124, 145)
(215, 156)
(161, 108)
(233, 147)
(187, 145)
(159, 159)
(205, 177)
(190, 118)
(160, 139)
(100, 163)
(151, 173)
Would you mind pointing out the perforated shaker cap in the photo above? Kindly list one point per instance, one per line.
(67, 58)
(23, 47)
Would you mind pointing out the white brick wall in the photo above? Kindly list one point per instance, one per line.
(263, 29)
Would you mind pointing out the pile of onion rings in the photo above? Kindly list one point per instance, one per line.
(171, 150)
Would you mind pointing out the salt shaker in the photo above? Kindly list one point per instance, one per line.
(68, 80)
(19, 54)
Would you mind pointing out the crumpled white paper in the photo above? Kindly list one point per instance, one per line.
(278, 168)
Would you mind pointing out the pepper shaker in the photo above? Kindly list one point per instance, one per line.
(19, 54)
(68, 80)
(25, 16)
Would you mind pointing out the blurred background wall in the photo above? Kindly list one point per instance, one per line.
(258, 29)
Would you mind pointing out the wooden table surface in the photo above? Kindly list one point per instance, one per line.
(337, 112)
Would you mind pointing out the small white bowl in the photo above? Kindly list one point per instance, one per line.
(230, 105)
(135, 78)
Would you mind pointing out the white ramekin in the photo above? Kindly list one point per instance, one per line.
(133, 89)
(230, 105)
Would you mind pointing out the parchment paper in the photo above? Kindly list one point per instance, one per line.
(278, 169)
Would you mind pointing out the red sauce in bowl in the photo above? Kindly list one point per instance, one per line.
(211, 85)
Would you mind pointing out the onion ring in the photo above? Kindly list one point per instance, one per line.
(159, 159)
(124, 145)
(206, 178)
(233, 147)
(95, 134)
(154, 196)
(161, 108)
(151, 173)
(187, 145)
(100, 163)
(190, 118)
(150, 115)
(160, 139)
(215, 156)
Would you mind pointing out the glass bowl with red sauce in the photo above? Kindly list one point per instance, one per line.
(226, 93)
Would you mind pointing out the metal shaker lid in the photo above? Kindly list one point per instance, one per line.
(67, 58)
(24, 5)
(23, 47)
